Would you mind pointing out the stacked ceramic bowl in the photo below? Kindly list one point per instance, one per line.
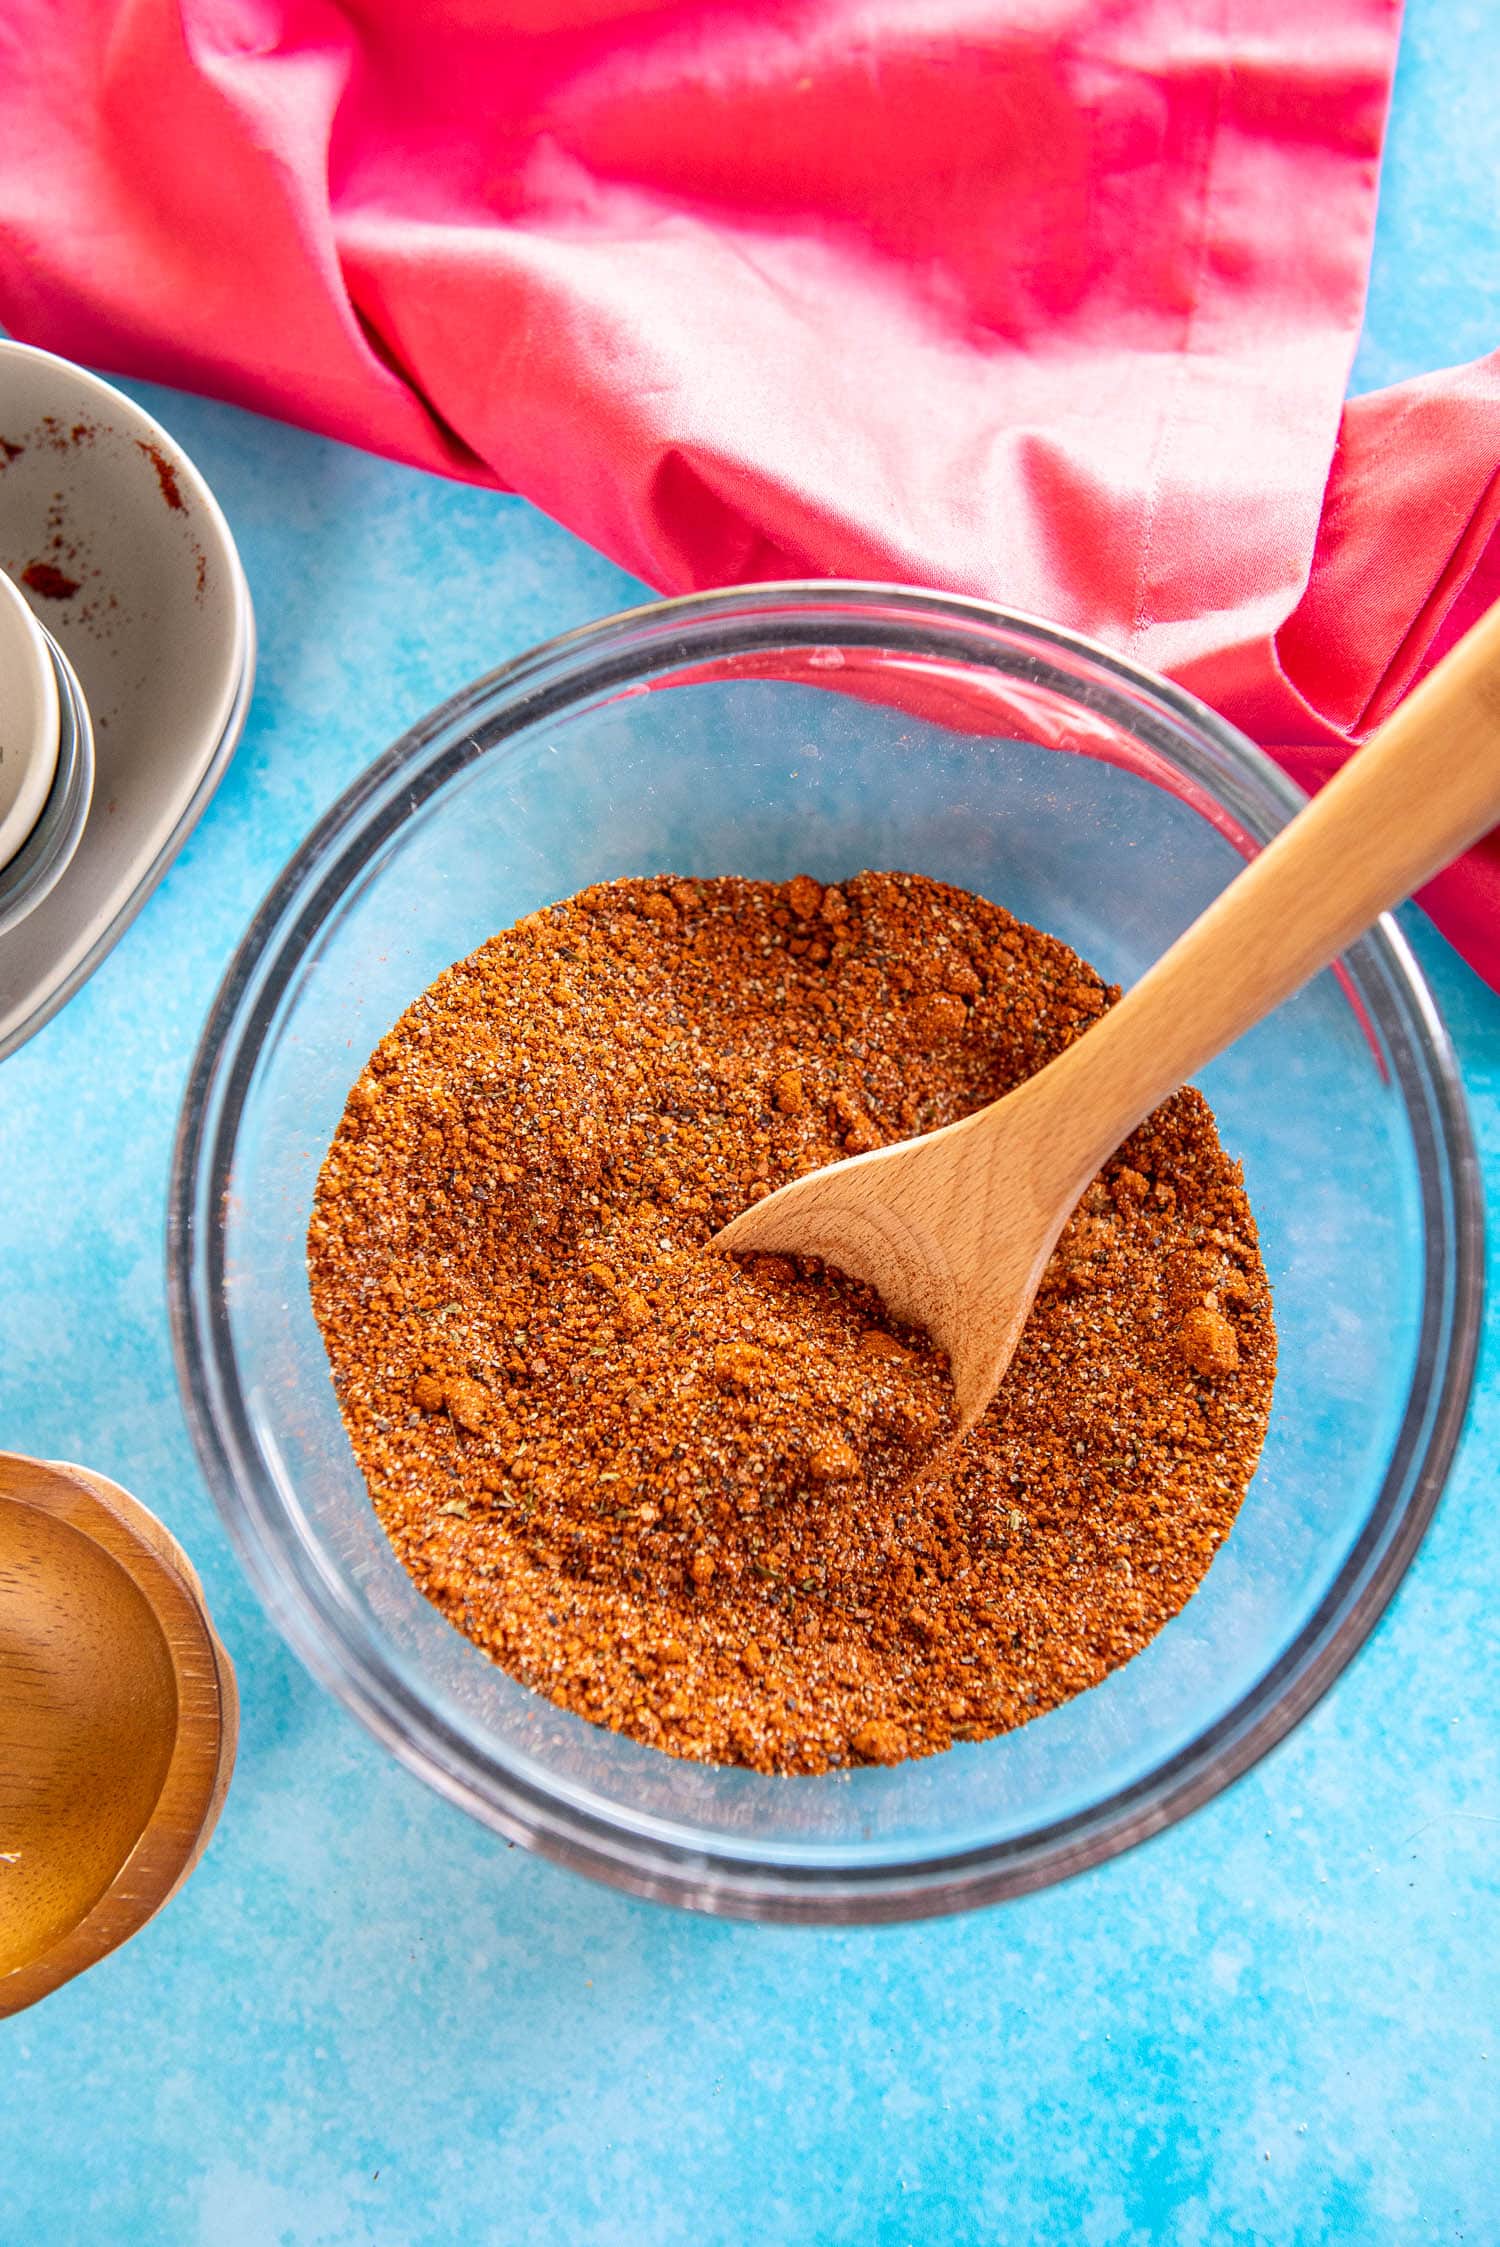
(126, 657)
(46, 759)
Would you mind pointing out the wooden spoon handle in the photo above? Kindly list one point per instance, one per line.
(1425, 786)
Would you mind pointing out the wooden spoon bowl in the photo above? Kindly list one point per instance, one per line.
(118, 1721)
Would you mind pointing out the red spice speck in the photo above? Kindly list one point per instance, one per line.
(50, 582)
(9, 452)
(59, 438)
(166, 475)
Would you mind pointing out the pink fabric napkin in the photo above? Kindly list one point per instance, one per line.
(1048, 300)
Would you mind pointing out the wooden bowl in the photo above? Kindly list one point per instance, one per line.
(118, 1720)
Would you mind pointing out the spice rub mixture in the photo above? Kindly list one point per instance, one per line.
(674, 1491)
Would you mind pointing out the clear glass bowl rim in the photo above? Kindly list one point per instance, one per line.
(345, 1655)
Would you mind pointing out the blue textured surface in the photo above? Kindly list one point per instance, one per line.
(365, 2020)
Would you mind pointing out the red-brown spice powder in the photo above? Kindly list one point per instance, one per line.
(675, 1492)
(49, 581)
(166, 476)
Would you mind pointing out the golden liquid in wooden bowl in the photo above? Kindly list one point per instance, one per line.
(88, 1715)
(118, 1720)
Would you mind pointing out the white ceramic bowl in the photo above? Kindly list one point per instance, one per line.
(28, 721)
(124, 556)
(31, 875)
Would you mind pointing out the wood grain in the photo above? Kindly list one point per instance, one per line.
(118, 1722)
(955, 1229)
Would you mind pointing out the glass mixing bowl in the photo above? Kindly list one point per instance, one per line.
(823, 728)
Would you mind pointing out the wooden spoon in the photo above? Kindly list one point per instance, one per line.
(955, 1229)
(118, 1719)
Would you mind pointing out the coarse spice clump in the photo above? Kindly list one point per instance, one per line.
(673, 1491)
